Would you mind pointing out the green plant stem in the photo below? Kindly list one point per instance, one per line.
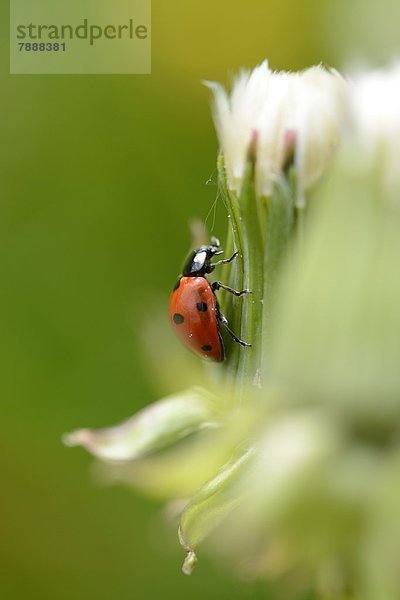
(279, 227)
(253, 263)
(260, 229)
(234, 274)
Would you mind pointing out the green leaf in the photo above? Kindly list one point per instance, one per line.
(209, 507)
(155, 427)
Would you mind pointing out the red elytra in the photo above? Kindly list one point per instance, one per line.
(194, 312)
(193, 316)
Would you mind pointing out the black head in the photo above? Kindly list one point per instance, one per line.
(198, 263)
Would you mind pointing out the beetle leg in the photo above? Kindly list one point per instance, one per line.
(218, 285)
(224, 261)
(224, 321)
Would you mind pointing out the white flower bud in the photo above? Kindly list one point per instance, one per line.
(281, 113)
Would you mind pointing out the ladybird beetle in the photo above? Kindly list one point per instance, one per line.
(193, 308)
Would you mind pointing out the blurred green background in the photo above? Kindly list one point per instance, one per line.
(100, 175)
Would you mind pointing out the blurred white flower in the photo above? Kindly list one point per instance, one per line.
(282, 114)
(375, 111)
(291, 450)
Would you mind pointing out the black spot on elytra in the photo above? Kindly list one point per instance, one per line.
(178, 318)
(178, 283)
(206, 348)
(201, 306)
